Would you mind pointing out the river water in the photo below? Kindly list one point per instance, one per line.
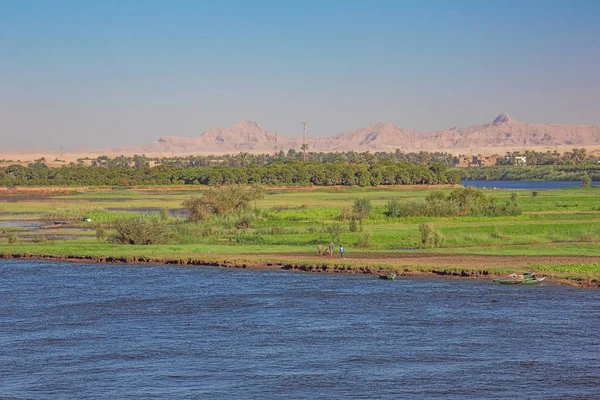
(77, 331)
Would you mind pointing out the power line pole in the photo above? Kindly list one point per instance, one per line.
(304, 144)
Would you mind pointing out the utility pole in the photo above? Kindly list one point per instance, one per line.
(304, 144)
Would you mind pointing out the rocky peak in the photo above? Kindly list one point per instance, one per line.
(245, 125)
(503, 119)
(381, 126)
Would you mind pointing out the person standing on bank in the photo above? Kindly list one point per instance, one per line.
(341, 251)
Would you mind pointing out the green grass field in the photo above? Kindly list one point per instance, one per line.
(563, 222)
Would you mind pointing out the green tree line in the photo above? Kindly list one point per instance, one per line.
(244, 159)
(387, 172)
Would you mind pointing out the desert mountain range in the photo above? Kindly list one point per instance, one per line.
(502, 132)
(497, 137)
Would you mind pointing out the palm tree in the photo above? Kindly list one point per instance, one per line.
(243, 158)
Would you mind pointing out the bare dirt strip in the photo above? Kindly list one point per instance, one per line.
(439, 260)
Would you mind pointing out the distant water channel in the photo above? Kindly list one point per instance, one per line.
(526, 185)
(78, 331)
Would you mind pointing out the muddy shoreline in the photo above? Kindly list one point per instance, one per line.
(306, 267)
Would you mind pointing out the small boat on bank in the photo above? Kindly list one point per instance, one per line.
(389, 277)
(523, 279)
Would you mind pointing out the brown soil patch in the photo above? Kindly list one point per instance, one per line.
(436, 260)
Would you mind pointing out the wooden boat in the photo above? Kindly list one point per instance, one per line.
(389, 277)
(525, 279)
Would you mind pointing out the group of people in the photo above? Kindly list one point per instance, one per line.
(329, 251)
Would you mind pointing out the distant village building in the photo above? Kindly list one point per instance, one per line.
(461, 162)
(520, 160)
(516, 160)
(475, 161)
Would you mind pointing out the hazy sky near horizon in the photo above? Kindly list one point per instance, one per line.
(122, 72)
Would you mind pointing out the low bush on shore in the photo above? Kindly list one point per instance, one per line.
(429, 236)
(459, 202)
(222, 201)
(141, 229)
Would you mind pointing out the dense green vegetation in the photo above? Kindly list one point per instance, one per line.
(577, 156)
(243, 159)
(297, 173)
(324, 169)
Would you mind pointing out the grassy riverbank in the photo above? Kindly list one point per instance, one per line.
(558, 232)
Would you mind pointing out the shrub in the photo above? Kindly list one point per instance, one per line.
(534, 194)
(212, 230)
(222, 201)
(429, 236)
(511, 207)
(363, 240)
(586, 181)
(198, 210)
(164, 214)
(436, 196)
(393, 209)
(100, 234)
(335, 230)
(141, 229)
(345, 214)
(469, 200)
(13, 238)
(362, 207)
(40, 239)
(441, 208)
(245, 222)
(353, 225)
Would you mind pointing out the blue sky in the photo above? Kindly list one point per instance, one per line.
(110, 73)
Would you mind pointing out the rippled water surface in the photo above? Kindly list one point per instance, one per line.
(74, 331)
